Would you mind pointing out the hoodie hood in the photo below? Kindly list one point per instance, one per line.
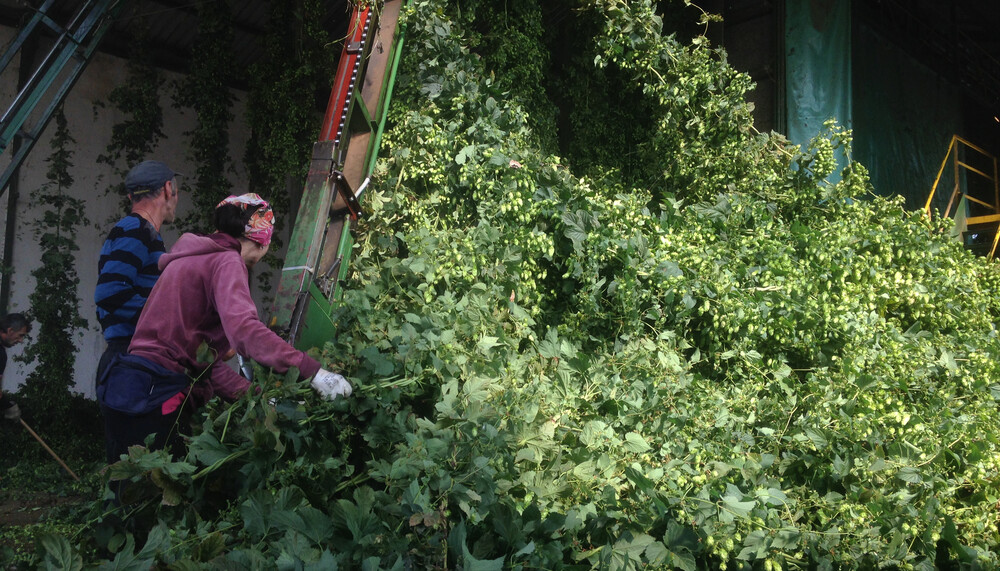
(196, 245)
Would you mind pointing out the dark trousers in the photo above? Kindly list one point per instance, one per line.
(123, 430)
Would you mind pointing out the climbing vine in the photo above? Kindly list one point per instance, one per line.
(511, 39)
(559, 372)
(604, 117)
(134, 138)
(298, 64)
(55, 304)
(698, 117)
(206, 90)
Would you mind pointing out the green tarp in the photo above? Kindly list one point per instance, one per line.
(817, 66)
(905, 115)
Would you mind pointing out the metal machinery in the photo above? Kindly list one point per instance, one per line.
(974, 201)
(343, 158)
(54, 76)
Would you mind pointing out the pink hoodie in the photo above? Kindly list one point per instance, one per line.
(203, 296)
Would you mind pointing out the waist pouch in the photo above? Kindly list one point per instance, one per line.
(134, 385)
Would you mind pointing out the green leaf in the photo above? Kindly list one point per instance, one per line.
(995, 391)
(186, 565)
(773, 497)
(593, 432)
(910, 475)
(755, 546)
(486, 343)
(204, 353)
(172, 490)
(737, 507)
(633, 545)
(634, 442)
(526, 550)
(584, 470)
(965, 553)
(817, 437)
(128, 560)
(256, 513)
(306, 520)
(59, 554)
(380, 364)
(683, 560)
(657, 554)
(326, 562)
(206, 448)
(525, 454)
(456, 541)
(465, 154)
(210, 547)
(577, 518)
(947, 361)
(787, 539)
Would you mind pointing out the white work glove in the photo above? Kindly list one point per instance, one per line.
(330, 385)
(12, 413)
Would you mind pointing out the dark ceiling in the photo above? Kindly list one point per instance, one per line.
(958, 37)
(172, 25)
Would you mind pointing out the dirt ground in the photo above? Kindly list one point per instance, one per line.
(25, 508)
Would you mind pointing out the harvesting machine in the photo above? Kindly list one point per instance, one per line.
(342, 161)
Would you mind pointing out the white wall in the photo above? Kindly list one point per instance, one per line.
(91, 127)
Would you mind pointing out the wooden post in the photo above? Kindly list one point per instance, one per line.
(46, 446)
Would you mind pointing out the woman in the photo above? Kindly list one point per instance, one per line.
(201, 305)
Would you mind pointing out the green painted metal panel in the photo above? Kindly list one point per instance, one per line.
(319, 328)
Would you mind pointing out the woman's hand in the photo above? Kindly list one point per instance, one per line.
(330, 385)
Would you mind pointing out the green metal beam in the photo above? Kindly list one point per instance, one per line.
(77, 44)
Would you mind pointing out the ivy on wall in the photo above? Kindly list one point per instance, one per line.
(55, 306)
(282, 111)
(206, 90)
(135, 137)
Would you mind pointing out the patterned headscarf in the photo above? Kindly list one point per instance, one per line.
(261, 224)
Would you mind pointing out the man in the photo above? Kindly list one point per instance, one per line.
(128, 268)
(13, 328)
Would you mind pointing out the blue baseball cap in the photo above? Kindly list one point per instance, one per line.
(147, 176)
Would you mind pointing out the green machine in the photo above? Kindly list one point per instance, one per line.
(343, 158)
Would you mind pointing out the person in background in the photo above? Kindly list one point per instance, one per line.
(13, 329)
(127, 268)
(201, 305)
